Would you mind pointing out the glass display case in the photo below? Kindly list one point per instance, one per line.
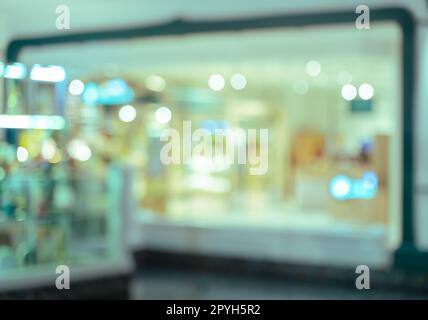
(54, 208)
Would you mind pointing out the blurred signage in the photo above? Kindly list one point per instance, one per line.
(112, 92)
(358, 106)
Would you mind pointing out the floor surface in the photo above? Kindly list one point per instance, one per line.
(174, 284)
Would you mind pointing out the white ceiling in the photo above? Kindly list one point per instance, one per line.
(20, 18)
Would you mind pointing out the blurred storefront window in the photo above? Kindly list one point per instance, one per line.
(329, 96)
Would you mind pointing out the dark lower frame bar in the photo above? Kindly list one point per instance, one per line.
(410, 258)
(111, 287)
(386, 280)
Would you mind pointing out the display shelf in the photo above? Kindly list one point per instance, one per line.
(98, 256)
(278, 240)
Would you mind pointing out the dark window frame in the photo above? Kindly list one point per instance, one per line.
(407, 255)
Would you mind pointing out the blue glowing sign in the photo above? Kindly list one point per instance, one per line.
(343, 188)
(113, 92)
(15, 71)
(91, 93)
